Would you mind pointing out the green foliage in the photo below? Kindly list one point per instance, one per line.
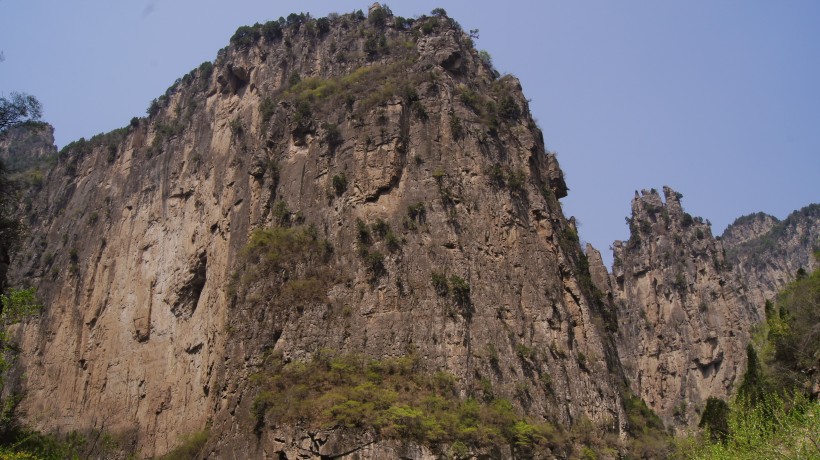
(392, 397)
(516, 180)
(18, 304)
(266, 109)
(471, 99)
(753, 387)
(190, 446)
(374, 261)
(429, 26)
(246, 36)
(365, 87)
(773, 415)
(485, 57)
(363, 232)
(333, 136)
(460, 289)
(323, 26)
(456, 128)
(392, 241)
(715, 419)
(417, 212)
(438, 175)
(378, 17)
(272, 31)
(793, 326)
(380, 228)
(440, 12)
(339, 184)
(440, 285)
(775, 428)
(508, 108)
(206, 69)
(18, 108)
(291, 260)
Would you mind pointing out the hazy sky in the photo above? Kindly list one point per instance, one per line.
(719, 99)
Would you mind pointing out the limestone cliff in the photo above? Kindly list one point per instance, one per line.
(683, 319)
(767, 253)
(398, 159)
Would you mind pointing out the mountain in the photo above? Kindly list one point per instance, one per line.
(343, 239)
(767, 253)
(327, 193)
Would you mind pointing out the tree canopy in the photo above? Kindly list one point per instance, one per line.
(18, 108)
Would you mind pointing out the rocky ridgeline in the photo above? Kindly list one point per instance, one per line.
(767, 253)
(683, 320)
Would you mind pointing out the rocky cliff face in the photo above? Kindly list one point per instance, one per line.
(767, 253)
(683, 320)
(26, 145)
(410, 208)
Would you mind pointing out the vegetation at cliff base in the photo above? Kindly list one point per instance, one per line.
(775, 413)
(393, 397)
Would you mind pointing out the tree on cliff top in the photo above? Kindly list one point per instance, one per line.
(18, 108)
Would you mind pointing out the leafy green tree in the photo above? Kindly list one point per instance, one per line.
(753, 387)
(18, 108)
(715, 419)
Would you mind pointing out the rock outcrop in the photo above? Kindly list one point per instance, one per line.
(683, 320)
(767, 253)
(26, 145)
(396, 159)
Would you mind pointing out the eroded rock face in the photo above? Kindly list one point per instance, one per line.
(134, 247)
(683, 318)
(767, 254)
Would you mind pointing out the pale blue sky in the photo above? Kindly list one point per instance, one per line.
(719, 99)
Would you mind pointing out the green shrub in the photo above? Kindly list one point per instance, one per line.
(339, 184)
(363, 232)
(508, 108)
(375, 263)
(428, 26)
(190, 447)
(455, 127)
(461, 290)
(516, 181)
(245, 36)
(380, 227)
(323, 26)
(417, 212)
(393, 397)
(378, 17)
(392, 242)
(440, 283)
(272, 31)
(715, 419)
(266, 109)
(333, 136)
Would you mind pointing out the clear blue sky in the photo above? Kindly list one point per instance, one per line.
(718, 99)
